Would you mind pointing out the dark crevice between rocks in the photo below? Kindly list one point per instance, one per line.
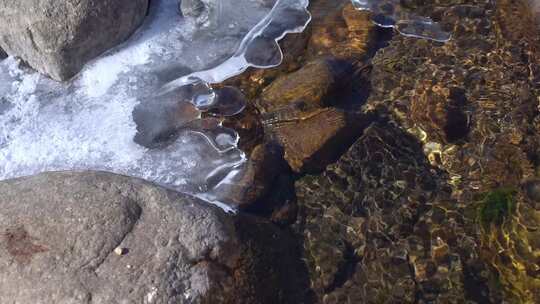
(346, 270)
(279, 273)
(3, 54)
(384, 36)
(476, 288)
(457, 126)
(279, 204)
(148, 7)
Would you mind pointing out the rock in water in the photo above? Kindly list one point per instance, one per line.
(195, 8)
(205, 12)
(58, 37)
(59, 233)
(300, 111)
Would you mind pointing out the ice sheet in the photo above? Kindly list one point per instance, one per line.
(136, 110)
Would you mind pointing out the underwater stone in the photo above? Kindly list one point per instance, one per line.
(298, 110)
(365, 219)
(532, 188)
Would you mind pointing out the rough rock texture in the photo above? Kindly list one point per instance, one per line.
(59, 231)
(2, 54)
(58, 37)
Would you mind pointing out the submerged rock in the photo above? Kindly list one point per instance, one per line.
(338, 29)
(532, 189)
(59, 233)
(311, 87)
(58, 37)
(263, 166)
(373, 229)
(301, 111)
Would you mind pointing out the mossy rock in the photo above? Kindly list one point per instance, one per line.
(496, 206)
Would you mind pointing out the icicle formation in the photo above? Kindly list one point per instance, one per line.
(137, 110)
(392, 13)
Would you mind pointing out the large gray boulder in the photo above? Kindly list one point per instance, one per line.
(58, 37)
(59, 232)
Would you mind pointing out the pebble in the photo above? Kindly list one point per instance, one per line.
(120, 251)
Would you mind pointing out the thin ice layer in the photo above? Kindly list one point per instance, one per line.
(260, 46)
(393, 13)
(93, 121)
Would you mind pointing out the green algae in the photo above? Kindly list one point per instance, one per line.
(496, 206)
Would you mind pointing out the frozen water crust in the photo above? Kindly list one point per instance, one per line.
(137, 109)
(395, 14)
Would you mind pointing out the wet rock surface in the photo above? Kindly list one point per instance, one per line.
(58, 37)
(60, 235)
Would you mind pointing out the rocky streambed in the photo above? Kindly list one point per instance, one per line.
(380, 168)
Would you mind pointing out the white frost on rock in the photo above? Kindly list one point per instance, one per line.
(145, 89)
